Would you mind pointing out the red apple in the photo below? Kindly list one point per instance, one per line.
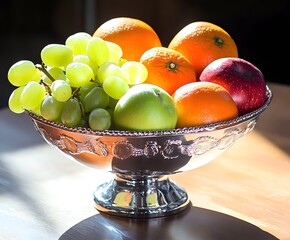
(244, 81)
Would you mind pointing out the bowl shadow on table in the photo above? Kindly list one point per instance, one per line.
(192, 223)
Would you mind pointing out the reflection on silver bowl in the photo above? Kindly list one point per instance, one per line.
(142, 161)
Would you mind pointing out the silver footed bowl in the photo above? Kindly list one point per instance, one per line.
(141, 162)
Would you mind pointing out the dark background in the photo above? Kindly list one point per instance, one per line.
(259, 28)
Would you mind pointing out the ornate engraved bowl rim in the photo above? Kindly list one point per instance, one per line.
(176, 131)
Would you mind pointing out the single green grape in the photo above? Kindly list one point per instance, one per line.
(14, 103)
(56, 55)
(32, 95)
(78, 42)
(83, 91)
(71, 113)
(61, 90)
(50, 108)
(115, 52)
(134, 72)
(115, 87)
(99, 119)
(97, 50)
(86, 60)
(79, 74)
(109, 69)
(96, 98)
(23, 72)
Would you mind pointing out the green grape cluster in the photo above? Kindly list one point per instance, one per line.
(77, 84)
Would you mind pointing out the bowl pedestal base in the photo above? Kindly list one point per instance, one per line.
(142, 197)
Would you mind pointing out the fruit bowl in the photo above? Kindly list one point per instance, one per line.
(141, 162)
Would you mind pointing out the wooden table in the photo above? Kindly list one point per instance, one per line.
(243, 194)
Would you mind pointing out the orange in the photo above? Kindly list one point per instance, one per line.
(132, 35)
(202, 103)
(203, 42)
(167, 68)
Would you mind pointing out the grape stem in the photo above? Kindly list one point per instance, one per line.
(76, 94)
(44, 70)
(82, 108)
(47, 87)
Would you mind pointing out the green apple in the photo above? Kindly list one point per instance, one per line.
(145, 107)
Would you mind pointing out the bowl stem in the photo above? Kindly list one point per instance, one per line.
(146, 197)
